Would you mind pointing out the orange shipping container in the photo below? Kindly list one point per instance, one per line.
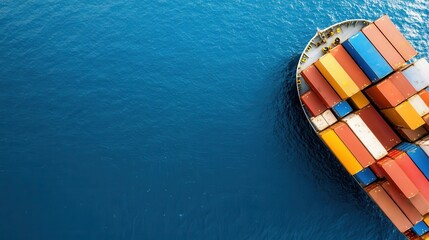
(385, 95)
(424, 94)
(350, 66)
(353, 143)
(389, 53)
(404, 204)
(320, 86)
(389, 208)
(395, 37)
(396, 175)
(402, 84)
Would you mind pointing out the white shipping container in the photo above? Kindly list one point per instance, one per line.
(418, 74)
(329, 117)
(419, 105)
(424, 144)
(319, 122)
(365, 135)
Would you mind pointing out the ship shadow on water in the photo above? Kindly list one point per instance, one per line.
(304, 151)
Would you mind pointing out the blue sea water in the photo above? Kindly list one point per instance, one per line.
(173, 120)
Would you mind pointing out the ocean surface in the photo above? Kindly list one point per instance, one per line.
(173, 120)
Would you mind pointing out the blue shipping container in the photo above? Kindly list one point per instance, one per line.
(367, 57)
(365, 177)
(418, 156)
(420, 228)
(342, 108)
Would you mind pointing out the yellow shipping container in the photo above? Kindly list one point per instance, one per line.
(341, 151)
(425, 237)
(427, 219)
(336, 76)
(404, 115)
(358, 101)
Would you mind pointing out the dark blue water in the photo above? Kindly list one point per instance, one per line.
(173, 120)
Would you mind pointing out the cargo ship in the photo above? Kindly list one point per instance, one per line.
(365, 92)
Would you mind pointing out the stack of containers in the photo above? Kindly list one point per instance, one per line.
(350, 86)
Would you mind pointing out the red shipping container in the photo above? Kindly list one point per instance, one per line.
(379, 127)
(397, 176)
(320, 86)
(412, 135)
(385, 95)
(377, 170)
(402, 84)
(404, 204)
(389, 207)
(389, 53)
(350, 66)
(353, 143)
(395, 37)
(412, 171)
(313, 103)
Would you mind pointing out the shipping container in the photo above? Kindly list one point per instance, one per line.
(359, 101)
(424, 95)
(412, 171)
(421, 203)
(365, 135)
(418, 156)
(419, 105)
(343, 154)
(402, 84)
(377, 170)
(396, 175)
(341, 109)
(350, 66)
(329, 117)
(395, 37)
(403, 203)
(319, 122)
(379, 127)
(425, 237)
(403, 115)
(424, 145)
(389, 207)
(313, 103)
(418, 74)
(420, 228)
(367, 57)
(336, 76)
(320, 86)
(412, 135)
(352, 142)
(385, 95)
(365, 177)
(380, 42)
